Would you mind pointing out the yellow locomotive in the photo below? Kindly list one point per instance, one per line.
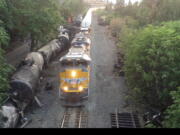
(74, 76)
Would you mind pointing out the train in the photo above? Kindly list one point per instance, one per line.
(81, 40)
(74, 74)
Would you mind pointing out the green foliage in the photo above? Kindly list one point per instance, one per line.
(116, 26)
(119, 25)
(152, 63)
(72, 8)
(172, 119)
(150, 126)
(5, 70)
(150, 11)
(4, 37)
(162, 10)
(38, 19)
(152, 58)
(108, 14)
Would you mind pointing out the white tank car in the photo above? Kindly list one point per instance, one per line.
(86, 23)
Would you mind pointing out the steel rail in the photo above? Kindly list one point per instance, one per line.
(79, 121)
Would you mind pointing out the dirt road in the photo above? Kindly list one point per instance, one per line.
(106, 90)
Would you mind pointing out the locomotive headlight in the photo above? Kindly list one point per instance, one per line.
(65, 88)
(81, 88)
(73, 73)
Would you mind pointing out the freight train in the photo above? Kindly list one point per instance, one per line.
(75, 72)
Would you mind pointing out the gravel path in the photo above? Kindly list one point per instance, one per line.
(106, 90)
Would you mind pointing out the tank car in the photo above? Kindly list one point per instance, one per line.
(35, 58)
(50, 50)
(9, 115)
(72, 31)
(64, 39)
(23, 85)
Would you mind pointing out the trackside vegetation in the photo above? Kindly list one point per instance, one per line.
(148, 35)
(152, 63)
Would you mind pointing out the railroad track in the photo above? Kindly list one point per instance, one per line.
(74, 118)
(124, 120)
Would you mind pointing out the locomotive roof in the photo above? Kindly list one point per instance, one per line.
(81, 39)
(76, 55)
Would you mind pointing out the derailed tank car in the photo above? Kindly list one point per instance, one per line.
(35, 58)
(25, 79)
(50, 50)
(54, 47)
(64, 39)
(23, 85)
(9, 115)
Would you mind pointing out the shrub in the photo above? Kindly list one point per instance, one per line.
(116, 25)
(152, 63)
(119, 25)
(5, 70)
(172, 119)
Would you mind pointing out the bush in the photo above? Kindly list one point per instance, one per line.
(5, 70)
(119, 25)
(106, 14)
(4, 37)
(152, 63)
(116, 25)
(172, 119)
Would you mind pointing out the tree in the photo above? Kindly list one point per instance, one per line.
(72, 8)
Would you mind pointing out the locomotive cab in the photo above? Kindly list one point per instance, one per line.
(74, 78)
